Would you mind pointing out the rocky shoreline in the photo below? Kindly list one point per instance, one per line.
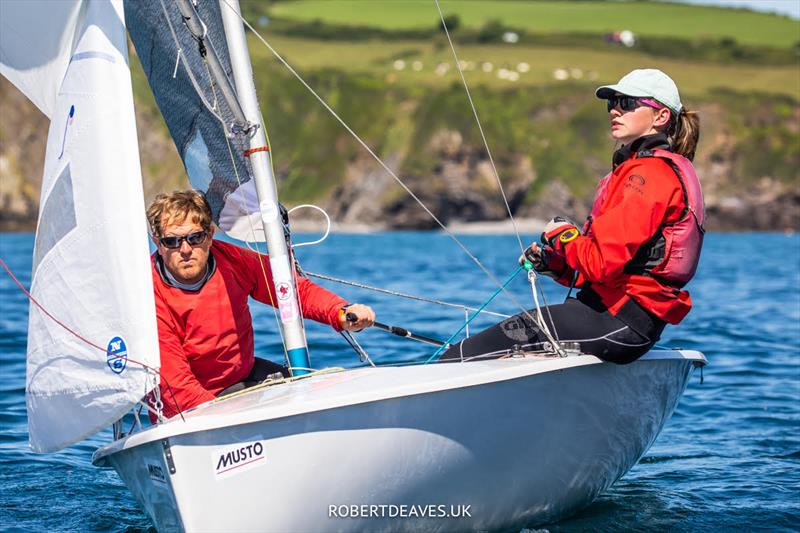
(748, 163)
(747, 212)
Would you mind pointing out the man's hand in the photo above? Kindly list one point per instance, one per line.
(356, 317)
(559, 231)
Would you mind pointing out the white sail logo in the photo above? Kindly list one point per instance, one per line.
(236, 459)
(117, 355)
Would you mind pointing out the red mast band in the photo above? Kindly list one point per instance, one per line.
(254, 150)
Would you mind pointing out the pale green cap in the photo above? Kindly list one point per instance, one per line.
(645, 83)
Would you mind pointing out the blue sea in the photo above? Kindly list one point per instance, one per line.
(729, 459)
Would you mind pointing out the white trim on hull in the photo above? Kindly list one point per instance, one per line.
(520, 441)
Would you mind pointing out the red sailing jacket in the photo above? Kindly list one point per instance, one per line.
(638, 198)
(206, 337)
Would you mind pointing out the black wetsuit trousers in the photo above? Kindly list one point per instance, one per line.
(584, 320)
(261, 369)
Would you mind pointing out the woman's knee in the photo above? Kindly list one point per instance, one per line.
(621, 355)
(497, 340)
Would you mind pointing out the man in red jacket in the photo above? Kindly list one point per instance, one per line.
(201, 289)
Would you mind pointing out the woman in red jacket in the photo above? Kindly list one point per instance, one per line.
(637, 249)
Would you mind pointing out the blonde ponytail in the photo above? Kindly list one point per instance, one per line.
(684, 132)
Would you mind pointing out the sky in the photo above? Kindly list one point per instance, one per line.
(782, 7)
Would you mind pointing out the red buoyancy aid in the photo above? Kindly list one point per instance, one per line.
(682, 240)
(672, 255)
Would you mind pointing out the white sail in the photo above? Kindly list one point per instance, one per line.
(90, 268)
(36, 43)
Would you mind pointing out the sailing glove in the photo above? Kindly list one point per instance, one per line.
(558, 232)
(544, 260)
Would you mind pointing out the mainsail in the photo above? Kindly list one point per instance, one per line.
(200, 120)
(90, 269)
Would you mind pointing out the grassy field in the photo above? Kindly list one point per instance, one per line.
(549, 16)
(592, 67)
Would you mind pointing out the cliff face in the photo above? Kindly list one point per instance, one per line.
(740, 193)
(550, 146)
(23, 138)
(463, 188)
(23, 135)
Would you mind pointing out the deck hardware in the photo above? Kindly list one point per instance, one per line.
(168, 456)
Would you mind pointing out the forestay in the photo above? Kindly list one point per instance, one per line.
(90, 267)
(198, 117)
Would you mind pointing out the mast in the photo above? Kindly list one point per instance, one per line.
(281, 264)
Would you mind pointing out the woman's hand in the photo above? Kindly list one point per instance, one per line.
(544, 260)
(356, 317)
(533, 253)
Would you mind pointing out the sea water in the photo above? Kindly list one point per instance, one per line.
(728, 459)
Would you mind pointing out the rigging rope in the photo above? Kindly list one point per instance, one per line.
(182, 59)
(380, 162)
(83, 339)
(533, 279)
(538, 285)
(480, 127)
(361, 352)
(531, 275)
(400, 294)
(446, 344)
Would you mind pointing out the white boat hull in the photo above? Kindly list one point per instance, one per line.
(502, 444)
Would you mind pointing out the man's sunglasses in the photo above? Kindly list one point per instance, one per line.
(629, 103)
(193, 239)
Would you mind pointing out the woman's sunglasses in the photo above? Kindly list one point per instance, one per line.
(193, 239)
(629, 103)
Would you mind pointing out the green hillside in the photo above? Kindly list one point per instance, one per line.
(400, 91)
(534, 65)
(400, 42)
(402, 94)
(549, 16)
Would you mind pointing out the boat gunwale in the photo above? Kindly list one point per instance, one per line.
(510, 369)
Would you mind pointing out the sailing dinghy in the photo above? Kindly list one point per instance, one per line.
(481, 445)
